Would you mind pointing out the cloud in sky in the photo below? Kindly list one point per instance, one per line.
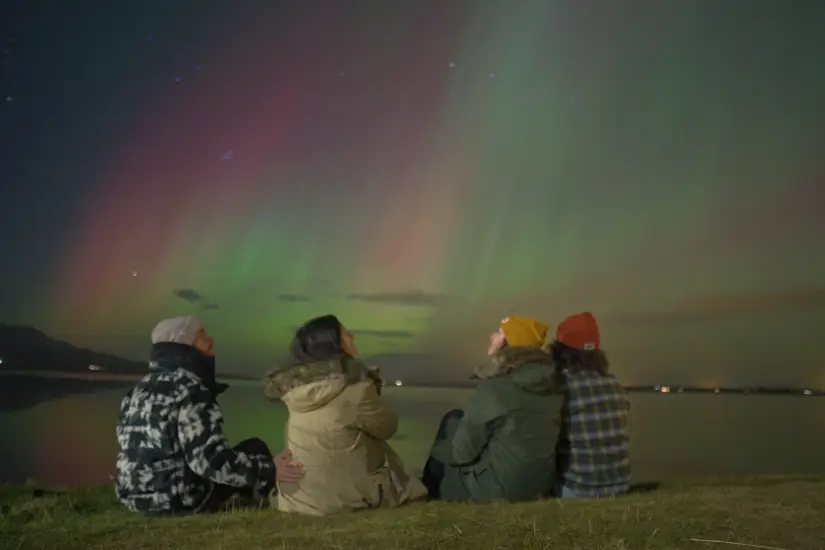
(383, 333)
(293, 298)
(413, 298)
(726, 306)
(191, 296)
(194, 297)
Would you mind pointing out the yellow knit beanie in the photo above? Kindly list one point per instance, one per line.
(523, 331)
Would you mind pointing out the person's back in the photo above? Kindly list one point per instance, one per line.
(595, 458)
(594, 453)
(151, 465)
(523, 404)
(338, 429)
(503, 445)
(173, 457)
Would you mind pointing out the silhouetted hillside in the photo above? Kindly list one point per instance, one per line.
(26, 348)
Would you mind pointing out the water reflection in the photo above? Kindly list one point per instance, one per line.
(71, 440)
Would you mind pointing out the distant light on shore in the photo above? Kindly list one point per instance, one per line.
(399, 383)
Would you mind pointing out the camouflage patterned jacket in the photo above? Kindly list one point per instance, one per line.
(172, 449)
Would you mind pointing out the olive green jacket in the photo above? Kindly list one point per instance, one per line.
(504, 448)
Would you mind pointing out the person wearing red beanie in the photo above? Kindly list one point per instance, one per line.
(594, 459)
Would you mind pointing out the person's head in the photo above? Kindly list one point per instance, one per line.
(187, 331)
(322, 338)
(577, 344)
(517, 331)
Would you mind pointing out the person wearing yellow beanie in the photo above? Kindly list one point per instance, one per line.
(502, 446)
(515, 331)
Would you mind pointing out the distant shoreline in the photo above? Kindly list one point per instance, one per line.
(131, 377)
(807, 392)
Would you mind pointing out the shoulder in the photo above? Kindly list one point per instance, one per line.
(591, 382)
(280, 381)
(587, 378)
(491, 390)
(506, 360)
(362, 390)
(178, 385)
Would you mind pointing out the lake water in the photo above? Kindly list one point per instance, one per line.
(70, 440)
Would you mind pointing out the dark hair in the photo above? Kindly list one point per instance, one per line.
(318, 339)
(567, 358)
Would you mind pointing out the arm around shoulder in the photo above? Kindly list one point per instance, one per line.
(373, 415)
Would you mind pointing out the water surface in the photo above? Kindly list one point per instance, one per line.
(70, 440)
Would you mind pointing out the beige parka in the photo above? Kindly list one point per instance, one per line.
(338, 427)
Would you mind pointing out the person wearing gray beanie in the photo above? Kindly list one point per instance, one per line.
(173, 456)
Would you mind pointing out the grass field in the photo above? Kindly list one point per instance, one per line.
(771, 512)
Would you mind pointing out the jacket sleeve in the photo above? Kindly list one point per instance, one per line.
(200, 433)
(474, 430)
(373, 415)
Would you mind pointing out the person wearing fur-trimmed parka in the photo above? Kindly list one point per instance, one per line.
(338, 427)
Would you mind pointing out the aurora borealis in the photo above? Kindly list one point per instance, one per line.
(422, 169)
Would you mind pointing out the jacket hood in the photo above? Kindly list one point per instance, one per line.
(309, 386)
(530, 368)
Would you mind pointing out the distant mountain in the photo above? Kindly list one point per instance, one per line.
(26, 348)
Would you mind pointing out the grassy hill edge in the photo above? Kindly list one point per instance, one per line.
(785, 512)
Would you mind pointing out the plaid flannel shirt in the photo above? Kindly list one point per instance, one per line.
(594, 458)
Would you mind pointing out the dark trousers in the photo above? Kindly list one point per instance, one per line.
(222, 494)
(434, 469)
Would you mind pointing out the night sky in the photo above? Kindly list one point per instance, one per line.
(422, 169)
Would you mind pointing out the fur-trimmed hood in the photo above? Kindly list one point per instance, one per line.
(529, 367)
(309, 386)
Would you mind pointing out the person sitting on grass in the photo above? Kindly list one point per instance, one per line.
(338, 426)
(503, 445)
(173, 456)
(594, 458)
